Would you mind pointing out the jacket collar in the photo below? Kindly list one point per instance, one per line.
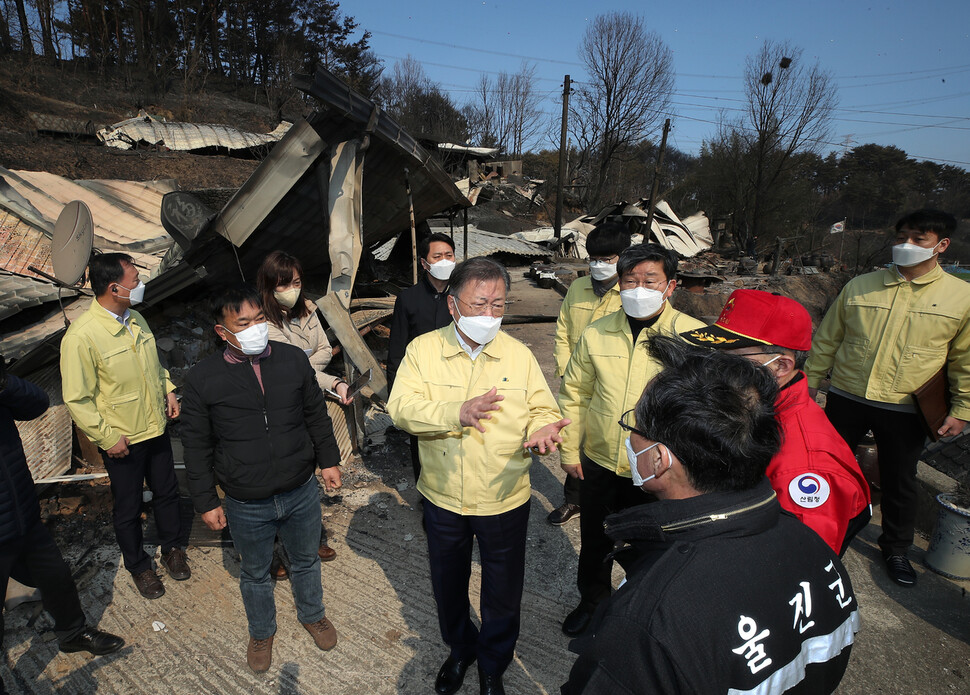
(452, 347)
(426, 283)
(107, 320)
(713, 514)
(892, 276)
(620, 324)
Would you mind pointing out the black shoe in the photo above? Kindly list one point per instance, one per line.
(94, 641)
(900, 571)
(576, 622)
(452, 674)
(176, 562)
(490, 685)
(563, 513)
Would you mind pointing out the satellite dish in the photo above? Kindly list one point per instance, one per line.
(72, 242)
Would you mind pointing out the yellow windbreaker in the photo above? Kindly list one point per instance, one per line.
(605, 377)
(580, 307)
(885, 336)
(113, 383)
(463, 470)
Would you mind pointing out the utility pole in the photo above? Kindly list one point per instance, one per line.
(656, 181)
(562, 156)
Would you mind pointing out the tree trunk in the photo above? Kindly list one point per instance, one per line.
(44, 12)
(26, 45)
(6, 43)
(214, 46)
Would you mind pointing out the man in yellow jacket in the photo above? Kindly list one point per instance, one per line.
(604, 379)
(120, 396)
(886, 334)
(477, 401)
(589, 298)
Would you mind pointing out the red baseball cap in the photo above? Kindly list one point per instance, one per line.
(751, 318)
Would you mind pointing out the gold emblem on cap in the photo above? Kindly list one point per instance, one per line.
(714, 339)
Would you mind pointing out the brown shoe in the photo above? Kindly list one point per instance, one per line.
(323, 633)
(259, 654)
(277, 570)
(325, 552)
(176, 562)
(148, 584)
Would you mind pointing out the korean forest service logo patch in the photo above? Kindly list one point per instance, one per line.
(809, 490)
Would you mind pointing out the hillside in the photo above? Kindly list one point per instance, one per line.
(72, 91)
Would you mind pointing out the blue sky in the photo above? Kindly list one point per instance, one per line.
(902, 68)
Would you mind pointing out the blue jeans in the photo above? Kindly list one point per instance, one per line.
(254, 524)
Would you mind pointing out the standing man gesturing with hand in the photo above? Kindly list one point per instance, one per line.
(477, 401)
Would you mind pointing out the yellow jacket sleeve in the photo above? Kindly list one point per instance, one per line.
(563, 350)
(543, 409)
(826, 342)
(958, 373)
(79, 385)
(574, 397)
(411, 407)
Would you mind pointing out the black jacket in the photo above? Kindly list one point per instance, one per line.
(724, 591)
(254, 445)
(19, 510)
(418, 310)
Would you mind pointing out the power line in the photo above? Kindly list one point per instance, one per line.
(473, 49)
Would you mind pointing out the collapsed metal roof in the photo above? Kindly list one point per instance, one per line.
(126, 217)
(283, 205)
(145, 129)
(688, 237)
(480, 243)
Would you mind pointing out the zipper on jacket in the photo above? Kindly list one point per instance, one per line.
(707, 518)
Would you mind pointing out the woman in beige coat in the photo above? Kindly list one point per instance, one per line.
(293, 319)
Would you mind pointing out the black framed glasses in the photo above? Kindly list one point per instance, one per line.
(627, 421)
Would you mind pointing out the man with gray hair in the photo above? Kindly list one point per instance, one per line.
(475, 458)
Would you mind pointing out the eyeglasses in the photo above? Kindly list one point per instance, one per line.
(625, 421)
(498, 308)
(632, 284)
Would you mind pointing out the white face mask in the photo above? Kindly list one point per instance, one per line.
(479, 329)
(288, 297)
(601, 270)
(252, 340)
(906, 255)
(442, 269)
(136, 295)
(632, 457)
(642, 303)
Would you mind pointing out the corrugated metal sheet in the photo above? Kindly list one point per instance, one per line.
(18, 293)
(126, 218)
(15, 344)
(50, 123)
(480, 243)
(145, 129)
(22, 245)
(465, 149)
(47, 439)
(126, 213)
(283, 205)
(341, 432)
(666, 230)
